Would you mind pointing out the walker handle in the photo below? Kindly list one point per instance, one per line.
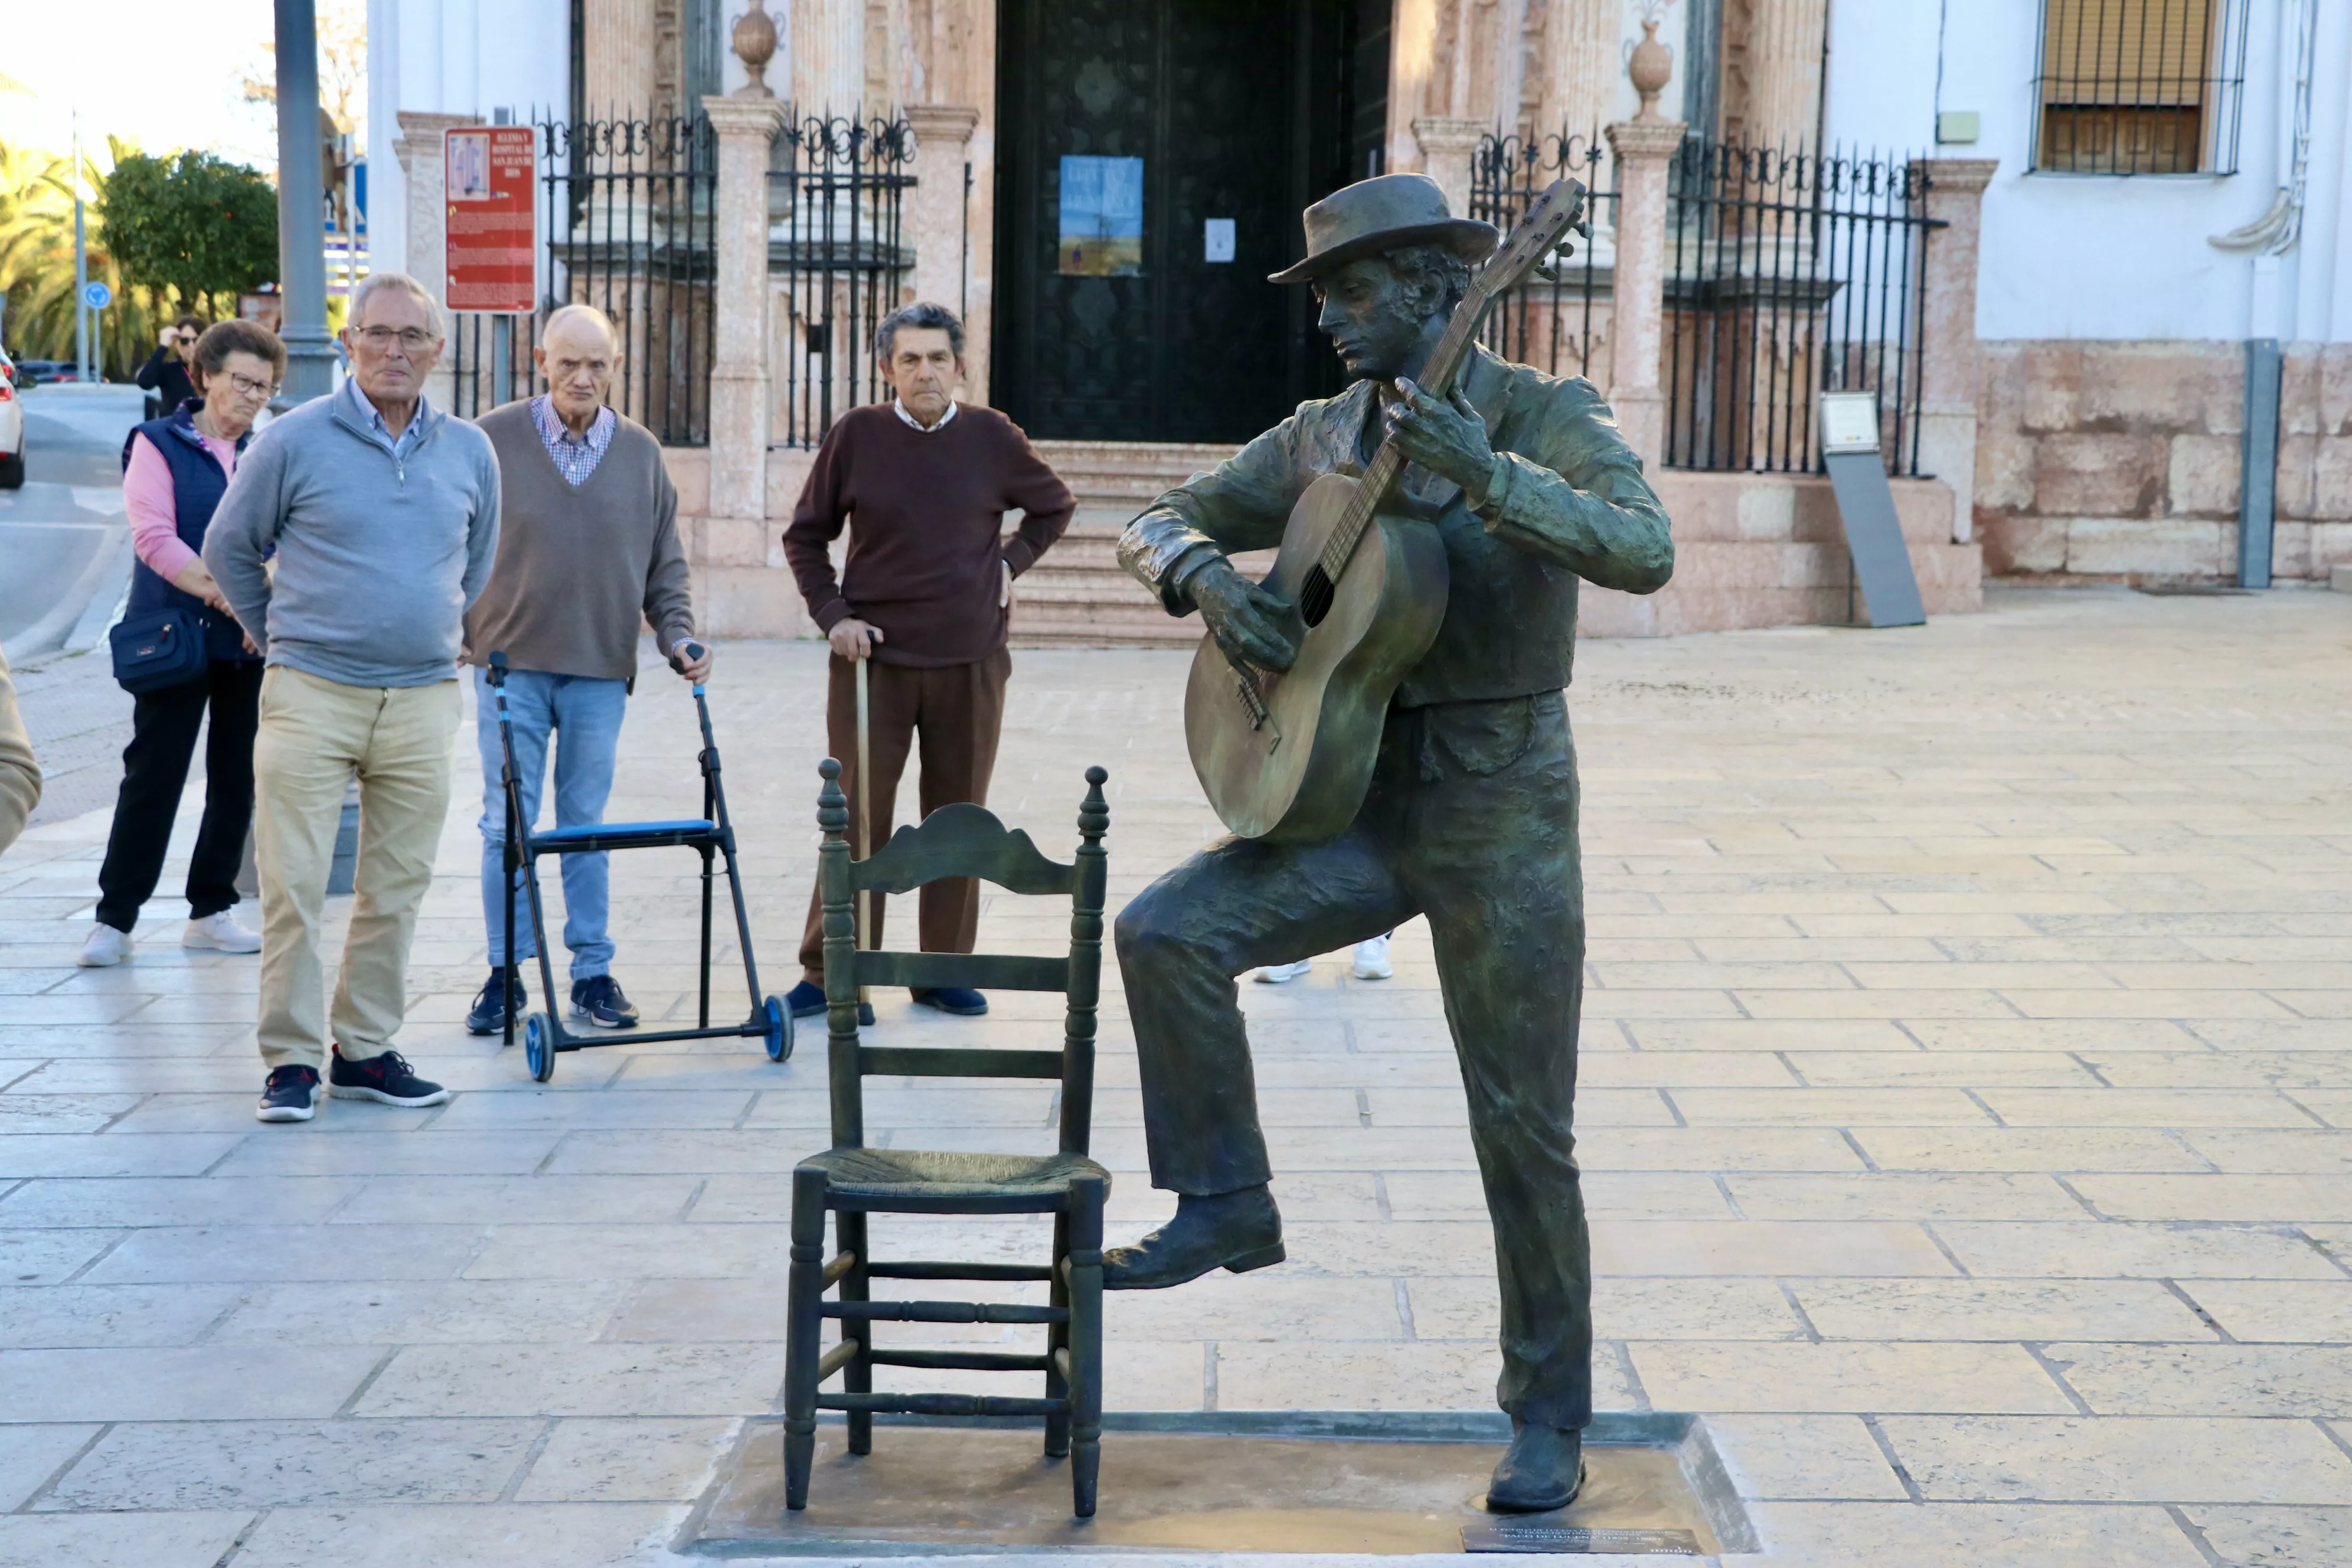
(686, 654)
(498, 671)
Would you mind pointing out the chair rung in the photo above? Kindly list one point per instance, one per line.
(941, 1405)
(945, 1311)
(960, 1360)
(837, 1269)
(836, 1357)
(951, 1062)
(957, 1271)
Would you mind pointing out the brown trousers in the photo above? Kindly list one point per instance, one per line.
(959, 710)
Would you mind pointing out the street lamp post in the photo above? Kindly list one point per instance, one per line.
(82, 267)
(302, 254)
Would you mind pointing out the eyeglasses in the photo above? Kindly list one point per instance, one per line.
(247, 387)
(187, 337)
(411, 338)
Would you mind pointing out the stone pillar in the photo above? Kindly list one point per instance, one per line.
(935, 210)
(1784, 72)
(618, 39)
(1948, 336)
(424, 170)
(1583, 55)
(829, 58)
(1643, 147)
(1448, 143)
(739, 367)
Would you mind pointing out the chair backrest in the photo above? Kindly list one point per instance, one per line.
(960, 841)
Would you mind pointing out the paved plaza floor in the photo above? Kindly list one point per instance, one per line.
(1966, 1111)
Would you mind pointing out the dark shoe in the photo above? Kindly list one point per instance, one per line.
(956, 999)
(290, 1095)
(1542, 1469)
(806, 1000)
(490, 1014)
(598, 999)
(387, 1079)
(1236, 1231)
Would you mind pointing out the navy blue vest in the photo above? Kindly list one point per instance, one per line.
(197, 486)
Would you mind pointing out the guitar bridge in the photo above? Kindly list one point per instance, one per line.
(1254, 702)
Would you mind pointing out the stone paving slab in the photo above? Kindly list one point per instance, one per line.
(1967, 1113)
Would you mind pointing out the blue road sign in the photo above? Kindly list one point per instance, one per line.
(97, 295)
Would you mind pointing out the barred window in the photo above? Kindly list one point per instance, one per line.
(2140, 87)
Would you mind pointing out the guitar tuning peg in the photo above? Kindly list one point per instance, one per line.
(1584, 228)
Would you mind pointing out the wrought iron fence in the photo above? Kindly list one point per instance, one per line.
(1788, 275)
(1557, 320)
(836, 195)
(626, 221)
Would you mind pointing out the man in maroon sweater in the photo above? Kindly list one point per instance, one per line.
(923, 483)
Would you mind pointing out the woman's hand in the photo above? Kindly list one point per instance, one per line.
(196, 578)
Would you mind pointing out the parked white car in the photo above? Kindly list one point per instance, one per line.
(12, 425)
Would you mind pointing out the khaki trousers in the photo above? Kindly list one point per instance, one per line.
(958, 711)
(315, 735)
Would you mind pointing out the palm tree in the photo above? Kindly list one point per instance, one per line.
(36, 263)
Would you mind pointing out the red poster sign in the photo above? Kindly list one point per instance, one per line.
(493, 231)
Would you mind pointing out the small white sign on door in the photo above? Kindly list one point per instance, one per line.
(1217, 241)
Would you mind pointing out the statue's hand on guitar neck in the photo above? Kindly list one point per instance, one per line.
(1251, 625)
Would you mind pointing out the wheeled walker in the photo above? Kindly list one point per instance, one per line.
(711, 835)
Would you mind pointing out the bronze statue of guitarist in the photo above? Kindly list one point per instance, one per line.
(1471, 815)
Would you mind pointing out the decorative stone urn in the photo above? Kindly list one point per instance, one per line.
(1651, 64)
(754, 42)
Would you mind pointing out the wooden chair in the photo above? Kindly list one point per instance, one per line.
(853, 1181)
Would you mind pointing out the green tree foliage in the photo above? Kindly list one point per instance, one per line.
(193, 224)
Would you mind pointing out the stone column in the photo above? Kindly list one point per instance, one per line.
(1643, 147)
(618, 39)
(739, 369)
(1784, 72)
(829, 58)
(1447, 145)
(425, 172)
(1948, 335)
(1583, 55)
(935, 210)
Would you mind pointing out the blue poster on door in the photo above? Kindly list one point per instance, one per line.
(1102, 218)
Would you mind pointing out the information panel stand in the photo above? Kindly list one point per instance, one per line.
(1874, 536)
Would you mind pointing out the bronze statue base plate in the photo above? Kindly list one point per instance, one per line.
(950, 1488)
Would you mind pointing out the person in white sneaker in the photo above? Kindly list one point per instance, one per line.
(175, 470)
(1370, 962)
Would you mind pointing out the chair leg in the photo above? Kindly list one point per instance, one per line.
(1086, 1342)
(1057, 1337)
(804, 1324)
(857, 1377)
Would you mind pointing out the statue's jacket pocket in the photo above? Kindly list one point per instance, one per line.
(1486, 737)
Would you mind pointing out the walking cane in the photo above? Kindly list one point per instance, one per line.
(865, 823)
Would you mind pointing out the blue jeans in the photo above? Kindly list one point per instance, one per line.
(583, 713)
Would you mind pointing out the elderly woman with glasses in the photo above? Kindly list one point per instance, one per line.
(175, 470)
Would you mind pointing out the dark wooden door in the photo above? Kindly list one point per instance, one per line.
(1219, 100)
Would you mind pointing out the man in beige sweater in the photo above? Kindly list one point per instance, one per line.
(589, 552)
(20, 775)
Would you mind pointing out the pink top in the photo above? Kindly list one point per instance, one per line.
(154, 511)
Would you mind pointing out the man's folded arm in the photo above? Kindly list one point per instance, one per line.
(243, 529)
(1045, 502)
(1240, 504)
(1583, 504)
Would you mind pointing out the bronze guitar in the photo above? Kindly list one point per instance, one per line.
(1287, 755)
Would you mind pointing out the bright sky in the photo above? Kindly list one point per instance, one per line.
(163, 73)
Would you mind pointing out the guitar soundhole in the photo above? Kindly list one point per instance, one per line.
(1314, 597)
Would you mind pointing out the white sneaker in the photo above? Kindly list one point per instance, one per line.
(1372, 959)
(104, 948)
(1282, 973)
(224, 932)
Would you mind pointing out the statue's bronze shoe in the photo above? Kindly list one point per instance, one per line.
(1542, 1469)
(1239, 1231)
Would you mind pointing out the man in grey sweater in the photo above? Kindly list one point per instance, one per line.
(588, 554)
(384, 515)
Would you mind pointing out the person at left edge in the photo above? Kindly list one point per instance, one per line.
(588, 550)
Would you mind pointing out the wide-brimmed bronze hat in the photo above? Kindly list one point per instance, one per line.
(1387, 212)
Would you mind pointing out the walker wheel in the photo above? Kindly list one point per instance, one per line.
(539, 1046)
(780, 1030)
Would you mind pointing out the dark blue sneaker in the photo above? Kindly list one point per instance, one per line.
(807, 1001)
(598, 999)
(387, 1079)
(956, 999)
(290, 1095)
(490, 1014)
